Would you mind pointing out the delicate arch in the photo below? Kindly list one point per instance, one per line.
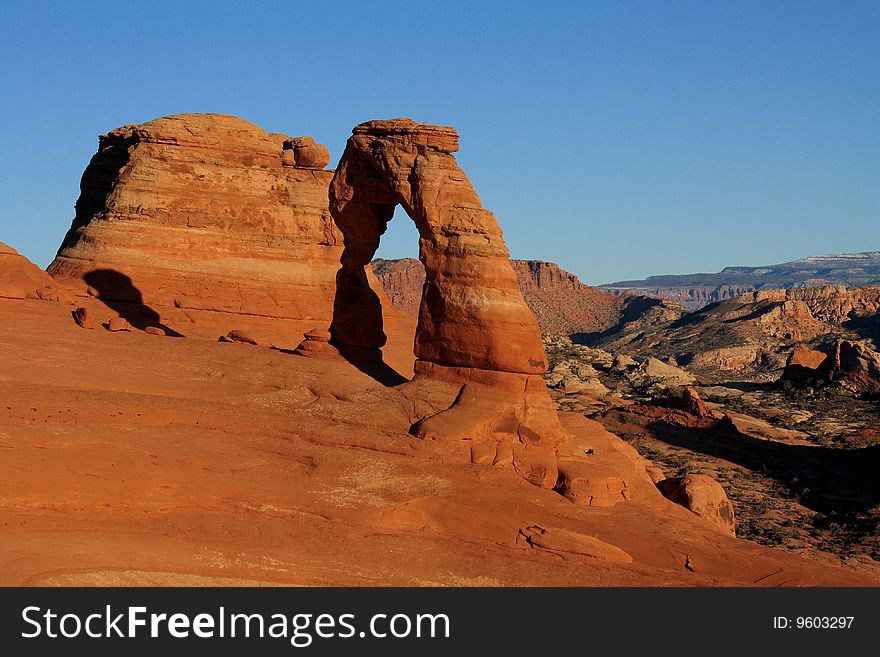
(472, 313)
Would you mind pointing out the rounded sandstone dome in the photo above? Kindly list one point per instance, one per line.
(203, 129)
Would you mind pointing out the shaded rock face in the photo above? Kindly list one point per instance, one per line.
(856, 364)
(802, 364)
(560, 302)
(474, 328)
(205, 212)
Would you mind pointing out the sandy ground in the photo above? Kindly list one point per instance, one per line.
(128, 458)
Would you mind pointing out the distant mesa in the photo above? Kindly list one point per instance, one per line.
(698, 290)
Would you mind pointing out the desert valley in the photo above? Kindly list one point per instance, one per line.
(217, 382)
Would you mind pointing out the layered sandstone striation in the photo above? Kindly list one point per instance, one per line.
(561, 303)
(205, 213)
(475, 338)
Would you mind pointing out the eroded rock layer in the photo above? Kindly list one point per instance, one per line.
(205, 212)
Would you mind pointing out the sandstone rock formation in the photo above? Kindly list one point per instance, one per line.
(573, 376)
(601, 470)
(22, 279)
(560, 540)
(475, 333)
(655, 371)
(755, 332)
(855, 365)
(852, 365)
(833, 304)
(623, 363)
(561, 303)
(686, 399)
(206, 214)
(694, 297)
(802, 364)
(316, 342)
(704, 496)
(200, 463)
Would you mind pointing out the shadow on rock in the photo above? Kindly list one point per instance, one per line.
(116, 291)
(825, 479)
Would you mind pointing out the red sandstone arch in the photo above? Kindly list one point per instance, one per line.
(472, 313)
(475, 333)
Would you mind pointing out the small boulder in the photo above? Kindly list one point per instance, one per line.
(577, 384)
(305, 153)
(315, 343)
(83, 319)
(154, 330)
(118, 324)
(54, 293)
(685, 399)
(623, 363)
(703, 496)
(654, 370)
(241, 336)
(318, 335)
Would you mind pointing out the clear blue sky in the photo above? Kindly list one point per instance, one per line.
(619, 139)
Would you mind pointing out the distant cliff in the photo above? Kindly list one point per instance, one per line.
(559, 300)
(698, 290)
